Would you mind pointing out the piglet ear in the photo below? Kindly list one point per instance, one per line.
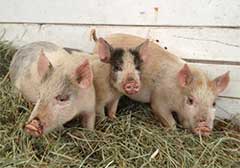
(143, 50)
(221, 82)
(43, 64)
(185, 76)
(104, 50)
(83, 74)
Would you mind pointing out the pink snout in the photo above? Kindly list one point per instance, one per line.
(131, 87)
(34, 128)
(202, 129)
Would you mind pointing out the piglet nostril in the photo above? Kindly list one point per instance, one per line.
(136, 87)
(129, 87)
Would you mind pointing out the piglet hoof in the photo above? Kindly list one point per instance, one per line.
(202, 129)
(112, 117)
(173, 128)
(34, 128)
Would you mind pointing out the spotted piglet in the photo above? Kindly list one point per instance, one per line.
(116, 72)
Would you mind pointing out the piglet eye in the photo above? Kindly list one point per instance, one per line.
(117, 68)
(214, 104)
(62, 98)
(190, 101)
(138, 67)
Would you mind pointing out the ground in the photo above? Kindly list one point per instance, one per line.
(129, 141)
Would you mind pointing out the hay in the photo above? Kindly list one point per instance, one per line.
(133, 140)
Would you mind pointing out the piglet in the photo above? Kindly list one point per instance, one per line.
(116, 72)
(60, 85)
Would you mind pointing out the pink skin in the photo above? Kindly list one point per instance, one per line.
(202, 129)
(34, 128)
(131, 87)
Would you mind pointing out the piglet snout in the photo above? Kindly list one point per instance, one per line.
(131, 87)
(34, 128)
(202, 129)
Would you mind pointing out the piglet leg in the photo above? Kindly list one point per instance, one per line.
(112, 109)
(163, 114)
(100, 112)
(88, 120)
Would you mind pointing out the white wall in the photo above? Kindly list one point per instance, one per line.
(204, 31)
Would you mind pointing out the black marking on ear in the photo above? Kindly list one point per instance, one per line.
(137, 60)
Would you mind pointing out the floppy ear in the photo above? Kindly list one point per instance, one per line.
(185, 76)
(143, 50)
(83, 74)
(104, 50)
(43, 64)
(221, 82)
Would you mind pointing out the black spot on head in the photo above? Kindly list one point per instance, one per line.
(165, 48)
(117, 54)
(116, 59)
(137, 60)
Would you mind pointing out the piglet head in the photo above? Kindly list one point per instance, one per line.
(125, 64)
(62, 95)
(198, 99)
